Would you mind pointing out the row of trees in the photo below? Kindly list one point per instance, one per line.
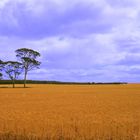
(26, 61)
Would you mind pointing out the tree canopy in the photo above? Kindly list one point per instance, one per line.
(12, 69)
(28, 59)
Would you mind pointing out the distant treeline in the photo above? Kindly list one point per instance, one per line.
(54, 82)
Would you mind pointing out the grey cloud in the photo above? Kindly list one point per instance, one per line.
(79, 19)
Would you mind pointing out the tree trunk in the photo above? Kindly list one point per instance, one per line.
(13, 83)
(25, 76)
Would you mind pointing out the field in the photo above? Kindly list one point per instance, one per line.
(70, 112)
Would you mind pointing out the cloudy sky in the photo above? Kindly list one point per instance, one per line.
(79, 40)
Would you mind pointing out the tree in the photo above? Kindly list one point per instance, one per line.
(13, 69)
(28, 59)
(1, 67)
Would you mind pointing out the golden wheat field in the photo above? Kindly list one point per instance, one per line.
(70, 112)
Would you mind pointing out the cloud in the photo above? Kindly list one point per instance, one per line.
(92, 40)
(33, 19)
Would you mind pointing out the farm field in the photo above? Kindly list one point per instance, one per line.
(70, 112)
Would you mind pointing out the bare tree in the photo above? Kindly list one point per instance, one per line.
(12, 69)
(28, 59)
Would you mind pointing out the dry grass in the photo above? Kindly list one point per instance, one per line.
(70, 112)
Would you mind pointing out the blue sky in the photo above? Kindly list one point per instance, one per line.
(80, 40)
